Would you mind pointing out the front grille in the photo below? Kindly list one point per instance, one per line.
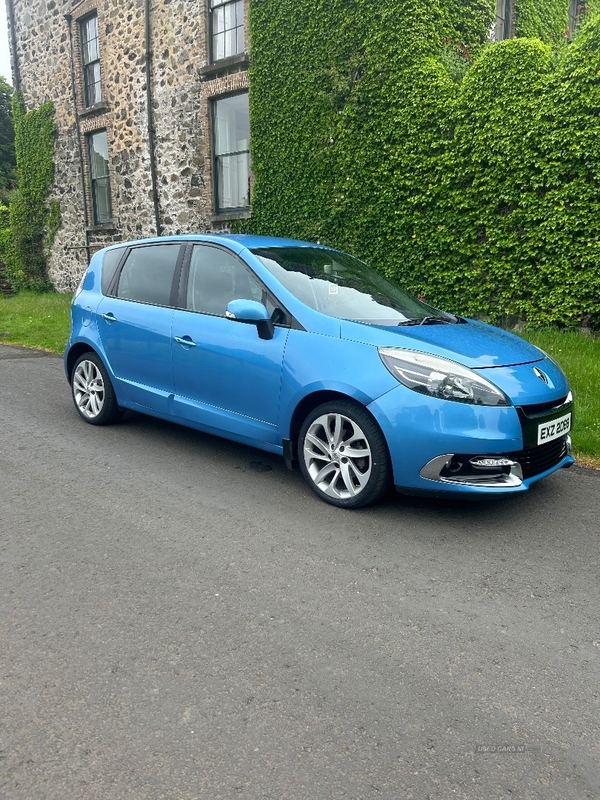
(542, 408)
(538, 459)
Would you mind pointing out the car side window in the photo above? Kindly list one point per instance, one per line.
(217, 277)
(110, 262)
(147, 275)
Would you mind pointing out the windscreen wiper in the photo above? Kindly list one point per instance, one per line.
(427, 321)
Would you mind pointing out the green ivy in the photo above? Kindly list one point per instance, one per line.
(33, 221)
(6, 242)
(467, 171)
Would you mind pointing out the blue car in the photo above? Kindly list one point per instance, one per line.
(304, 351)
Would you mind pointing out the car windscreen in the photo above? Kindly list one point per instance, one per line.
(341, 286)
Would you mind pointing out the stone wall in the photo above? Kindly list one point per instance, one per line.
(182, 86)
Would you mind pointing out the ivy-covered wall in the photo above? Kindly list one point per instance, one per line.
(33, 220)
(470, 172)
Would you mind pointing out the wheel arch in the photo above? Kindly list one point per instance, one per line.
(75, 352)
(304, 408)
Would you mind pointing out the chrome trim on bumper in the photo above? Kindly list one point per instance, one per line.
(569, 451)
(433, 471)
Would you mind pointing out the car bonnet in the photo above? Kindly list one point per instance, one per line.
(471, 343)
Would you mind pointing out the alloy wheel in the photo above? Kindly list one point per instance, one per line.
(88, 389)
(337, 456)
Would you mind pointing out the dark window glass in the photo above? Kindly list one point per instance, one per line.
(227, 23)
(98, 154)
(341, 286)
(110, 262)
(231, 140)
(90, 55)
(216, 277)
(147, 275)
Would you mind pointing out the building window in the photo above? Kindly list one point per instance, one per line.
(231, 147)
(227, 28)
(100, 181)
(503, 25)
(90, 55)
(574, 13)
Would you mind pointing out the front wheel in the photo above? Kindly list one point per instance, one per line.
(343, 455)
(92, 391)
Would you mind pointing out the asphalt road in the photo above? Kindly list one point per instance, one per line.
(182, 618)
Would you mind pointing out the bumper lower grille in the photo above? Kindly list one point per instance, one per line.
(538, 459)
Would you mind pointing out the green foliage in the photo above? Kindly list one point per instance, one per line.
(456, 57)
(7, 141)
(547, 20)
(470, 22)
(32, 218)
(7, 254)
(472, 181)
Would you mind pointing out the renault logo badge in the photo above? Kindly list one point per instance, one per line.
(542, 375)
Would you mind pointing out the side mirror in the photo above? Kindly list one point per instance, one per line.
(252, 313)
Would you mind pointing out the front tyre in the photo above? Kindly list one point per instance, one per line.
(343, 455)
(92, 391)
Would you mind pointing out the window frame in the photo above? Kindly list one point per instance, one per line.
(217, 156)
(574, 13)
(95, 178)
(503, 22)
(175, 283)
(212, 5)
(86, 65)
(108, 270)
(267, 294)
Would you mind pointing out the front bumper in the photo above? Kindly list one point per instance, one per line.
(509, 471)
(446, 447)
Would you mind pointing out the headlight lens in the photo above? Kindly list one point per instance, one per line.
(440, 377)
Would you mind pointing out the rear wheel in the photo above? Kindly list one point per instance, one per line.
(92, 391)
(343, 455)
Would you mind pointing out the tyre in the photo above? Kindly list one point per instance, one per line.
(92, 391)
(343, 455)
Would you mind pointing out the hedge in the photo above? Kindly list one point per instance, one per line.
(467, 171)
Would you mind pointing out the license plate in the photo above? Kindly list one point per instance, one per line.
(548, 431)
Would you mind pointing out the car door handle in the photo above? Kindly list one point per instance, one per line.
(110, 317)
(186, 341)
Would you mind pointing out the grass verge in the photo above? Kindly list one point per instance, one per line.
(35, 320)
(42, 320)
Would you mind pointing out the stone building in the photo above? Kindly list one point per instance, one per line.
(152, 118)
(152, 115)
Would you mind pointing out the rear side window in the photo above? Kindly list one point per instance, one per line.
(110, 262)
(147, 275)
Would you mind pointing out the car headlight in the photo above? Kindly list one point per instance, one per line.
(440, 377)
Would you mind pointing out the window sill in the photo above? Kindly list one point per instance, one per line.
(98, 108)
(240, 60)
(228, 216)
(108, 228)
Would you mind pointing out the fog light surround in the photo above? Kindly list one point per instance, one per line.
(481, 470)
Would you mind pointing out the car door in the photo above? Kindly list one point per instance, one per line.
(227, 378)
(134, 323)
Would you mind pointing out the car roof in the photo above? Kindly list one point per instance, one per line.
(238, 240)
